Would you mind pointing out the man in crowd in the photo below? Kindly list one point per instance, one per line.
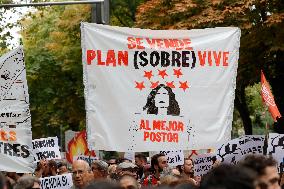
(100, 169)
(2, 181)
(158, 163)
(112, 161)
(46, 168)
(140, 161)
(81, 174)
(62, 167)
(229, 177)
(126, 168)
(186, 169)
(266, 169)
(28, 182)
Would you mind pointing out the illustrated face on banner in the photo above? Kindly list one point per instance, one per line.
(162, 99)
(164, 90)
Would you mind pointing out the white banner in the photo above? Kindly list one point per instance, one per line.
(276, 149)
(148, 90)
(236, 149)
(46, 148)
(15, 118)
(174, 158)
(203, 163)
(57, 182)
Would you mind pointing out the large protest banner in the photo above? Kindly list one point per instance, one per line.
(276, 149)
(235, 150)
(57, 182)
(46, 148)
(15, 118)
(148, 90)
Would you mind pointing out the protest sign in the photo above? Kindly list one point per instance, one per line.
(145, 90)
(88, 159)
(78, 146)
(203, 163)
(46, 148)
(235, 150)
(174, 158)
(15, 118)
(276, 149)
(57, 182)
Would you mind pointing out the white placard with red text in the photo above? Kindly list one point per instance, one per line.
(152, 90)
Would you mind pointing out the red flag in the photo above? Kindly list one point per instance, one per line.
(268, 98)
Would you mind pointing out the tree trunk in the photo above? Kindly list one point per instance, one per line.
(241, 105)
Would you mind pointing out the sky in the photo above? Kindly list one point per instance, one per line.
(11, 17)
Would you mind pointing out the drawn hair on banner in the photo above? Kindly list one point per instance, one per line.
(162, 97)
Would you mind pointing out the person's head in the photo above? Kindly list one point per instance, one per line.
(50, 168)
(103, 184)
(147, 170)
(127, 168)
(266, 170)
(27, 182)
(112, 161)
(140, 160)
(99, 169)
(80, 173)
(229, 177)
(170, 176)
(62, 167)
(128, 182)
(187, 167)
(159, 162)
(2, 181)
(162, 97)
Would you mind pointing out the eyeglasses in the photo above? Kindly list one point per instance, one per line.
(79, 172)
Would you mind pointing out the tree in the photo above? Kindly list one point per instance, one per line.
(123, 12)
(51, 39)
(261, 42)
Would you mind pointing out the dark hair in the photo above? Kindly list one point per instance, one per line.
(179, 166)
(154, 160)
(141, 157)
(2, 181)
(103, 184)
(258, 163)
(173, 108)
(229, 177)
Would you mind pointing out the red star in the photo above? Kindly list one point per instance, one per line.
(183, 85)
(148, 74)
(140, 85)
(170, 84)
(154, 84)
(177, 72)
(163, 73)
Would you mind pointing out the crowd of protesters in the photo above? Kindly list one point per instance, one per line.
(253, 172)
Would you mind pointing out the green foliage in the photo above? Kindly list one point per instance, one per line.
(51, 39)
(123, 12)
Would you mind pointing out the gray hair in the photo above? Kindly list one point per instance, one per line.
(103, 166)
(26, 182)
